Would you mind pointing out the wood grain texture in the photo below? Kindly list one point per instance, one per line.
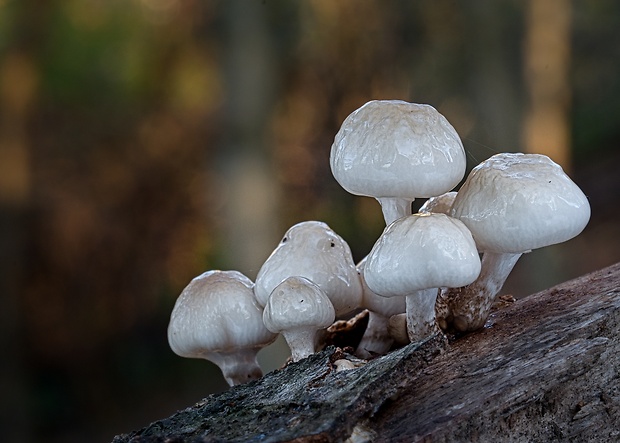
(546, 368)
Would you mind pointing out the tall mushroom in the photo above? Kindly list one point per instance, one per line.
(396, 152)
(217, 318)
(311, 249)
(414, 257)
(297, 308)
(512, 203)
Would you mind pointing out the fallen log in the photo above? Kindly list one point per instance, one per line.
(545, 368)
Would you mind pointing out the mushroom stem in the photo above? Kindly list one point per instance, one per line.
(442, 309)
(421, 322)
(394, 208)
(301, 341)
(470, 305)
(397, 328)
(238, 367)
(376, 339)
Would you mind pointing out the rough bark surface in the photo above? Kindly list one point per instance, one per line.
(546, 368)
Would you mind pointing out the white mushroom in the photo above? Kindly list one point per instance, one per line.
(396, 152)
(311, 249)
(297, 308)
(217, 318)
(512, 203)
(376, 339)
(414, 257)
(439, 204)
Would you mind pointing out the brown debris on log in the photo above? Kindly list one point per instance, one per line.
(546, 368)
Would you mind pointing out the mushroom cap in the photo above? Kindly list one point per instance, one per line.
(217, 312)
(297, 302)
(441, 203)
(516, 202)
(386, 306)
(422, 251)
(311, 249)
(396, 149)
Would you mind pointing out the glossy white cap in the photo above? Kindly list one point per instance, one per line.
(441, 204)
(311, 249)
(515, 202)
(386, 306)
(297, 302)
(422, 251)
(392, 148)
(217, 313)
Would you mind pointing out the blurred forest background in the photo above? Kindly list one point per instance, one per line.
(143, 142)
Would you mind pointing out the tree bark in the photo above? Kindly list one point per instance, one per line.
(545, 368)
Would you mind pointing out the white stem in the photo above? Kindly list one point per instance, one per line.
(301, 341)
(397, 328)
(394, 208)
(470, 306)
(421, 321)
(376, 339)
(239, 366)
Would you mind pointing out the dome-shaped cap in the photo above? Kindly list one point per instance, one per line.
(441, 204)
(422, 251)
(311, 249)
(298, 302)
(515, 202)
(217, 312)
(392, 148)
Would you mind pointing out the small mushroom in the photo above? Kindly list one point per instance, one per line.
(439, 204)
(297, 308)
(512, 203)
(376, 339)
(396, 152)
(414, 257)
(217, 318)
(311, 249)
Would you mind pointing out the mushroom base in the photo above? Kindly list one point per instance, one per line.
(239, 366)
(397, 328)
(469, 306)
(376, 339)
(301, 341)
(421, 320)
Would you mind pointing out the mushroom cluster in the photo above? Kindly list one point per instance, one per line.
(436, 269)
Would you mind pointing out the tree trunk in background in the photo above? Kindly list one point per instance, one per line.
(19, 84)
(15, 419)
(248, 184)
(495, 87)
(17, 89)
(546, 368)
(547, 62)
